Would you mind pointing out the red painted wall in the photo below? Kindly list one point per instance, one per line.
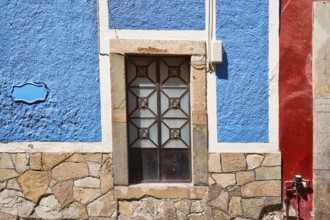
(295, 88)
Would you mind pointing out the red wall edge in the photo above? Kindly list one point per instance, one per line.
(295, 89)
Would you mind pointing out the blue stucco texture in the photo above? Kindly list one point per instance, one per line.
(56, 43)
(242, 79)
(157, 15)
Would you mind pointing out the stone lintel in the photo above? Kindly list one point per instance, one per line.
(157, 47)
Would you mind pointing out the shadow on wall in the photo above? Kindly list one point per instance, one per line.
(222, 69)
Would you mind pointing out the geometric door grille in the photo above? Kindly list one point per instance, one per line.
(158, 115)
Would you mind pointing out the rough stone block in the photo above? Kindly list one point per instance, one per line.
(86, 195)
(224, 179)
(87, 182)
(35, 161)
(94, 168)
(64, 192)
(69, 170)
(3, 185)
(253, 161)
(76, 158)
(24, 207)
(196, 207)
(244, 177)
(273, 159)
(198, 192)
(7, 216)
(268, 173)
(262, 188)
(97, 158)
(106, 182)
(13, 184)
(5, 161)
(151, 205)
(200, 155)
(106, 165)
(271, 201)
(21, 161)
(50, 160)
(125, 209)
(180, 215)
(221, 202)
(234, 190)
(75, 211)
(34, 184)
(8, 201)
(183, 206)
(167, 209)
(220, 215)
(252, 207)
(233, 162)
(214, 163)
(211, 180)
(49, 208)
(7, 174)
(235, 209)
(200, 216)
(120, 156)
(104, 206)
(214, 192)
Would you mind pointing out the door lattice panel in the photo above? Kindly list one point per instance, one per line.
(158, 119)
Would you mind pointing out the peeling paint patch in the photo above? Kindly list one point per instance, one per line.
(29, 93)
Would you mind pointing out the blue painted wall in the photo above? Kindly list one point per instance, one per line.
(54, 42)
(242, 80)
(157, 15)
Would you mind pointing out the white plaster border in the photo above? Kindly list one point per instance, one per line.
(273, 106)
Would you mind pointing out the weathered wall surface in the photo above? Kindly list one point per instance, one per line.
(56, 43)
(80, 186)
(157, 15)
(242, 78)
(295, 86)
(321, 87)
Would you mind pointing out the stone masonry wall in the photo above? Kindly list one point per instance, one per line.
(56, 186)
(80, 186)
(244, 185)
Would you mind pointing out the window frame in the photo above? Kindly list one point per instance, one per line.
(196, 50)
